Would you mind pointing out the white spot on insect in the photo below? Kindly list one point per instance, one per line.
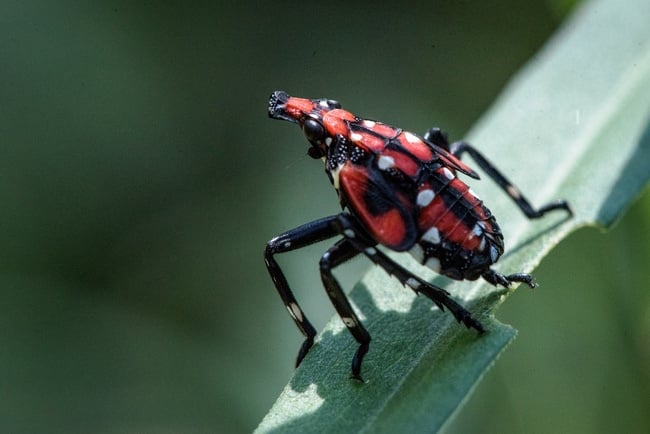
(432, 236)
(385, 162)
(425, 197)
(477, 230)
(328, 141)
(295, 311)
(286, 244)
(371, 251)
(434, 264)
(349, 233)
(349, 322)
(413, 283)
(512, 191)
(411, 138)
(447, 173)
(356, 137)
(369, 124)
(494, 253)
(335, 176)
(417, 252)
(481, 246)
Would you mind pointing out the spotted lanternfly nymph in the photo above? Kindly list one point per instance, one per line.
(400, 191)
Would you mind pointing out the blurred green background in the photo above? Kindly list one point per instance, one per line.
(140, 179)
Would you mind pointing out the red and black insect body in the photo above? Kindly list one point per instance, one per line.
(400, 191)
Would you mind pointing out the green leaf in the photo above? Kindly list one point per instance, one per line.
(573, 124)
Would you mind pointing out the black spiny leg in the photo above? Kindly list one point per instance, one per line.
(438, 295)
(301, 236)
(336, 255)
(340, 252)
(439, 138)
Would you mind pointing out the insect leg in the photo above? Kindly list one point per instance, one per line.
(301, 236)
(438, 295)
(340, 252)
(438, 137)
(505, 280)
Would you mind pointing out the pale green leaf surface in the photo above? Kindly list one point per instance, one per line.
(573, 124)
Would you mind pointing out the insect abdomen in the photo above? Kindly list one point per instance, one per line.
(459, 236)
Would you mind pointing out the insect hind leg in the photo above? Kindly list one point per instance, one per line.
(437, 295)
(439, 138)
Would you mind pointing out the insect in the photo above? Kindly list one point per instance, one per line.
(400, 191)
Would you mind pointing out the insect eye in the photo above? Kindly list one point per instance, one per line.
(314, 131)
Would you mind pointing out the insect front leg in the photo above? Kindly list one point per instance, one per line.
(439, 137)
(301, 236)
(336, 255)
